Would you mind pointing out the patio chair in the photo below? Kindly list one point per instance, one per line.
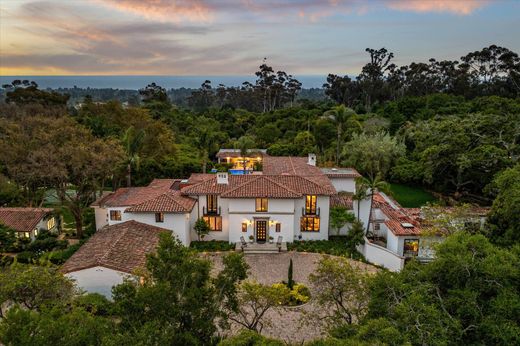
(279, 243)
(243, 243)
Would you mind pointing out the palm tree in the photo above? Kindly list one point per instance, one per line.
(360, 195)
(373, 185)
(244, 144)
(133, 142)
(339, 115)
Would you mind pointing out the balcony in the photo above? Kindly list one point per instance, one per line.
(212, 212)
(306, 212)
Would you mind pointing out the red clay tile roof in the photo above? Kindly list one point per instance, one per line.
(168, 202)
(129, 196)
(342, 200)
(397, 216)
(261, 186)
(397, 228)
(23, 219)
(121, 247)
(341, 172)
(247, 186)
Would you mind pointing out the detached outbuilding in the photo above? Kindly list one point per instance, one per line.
(112, 254)
(28, 222)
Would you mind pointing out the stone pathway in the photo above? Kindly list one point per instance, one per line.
(289, 324)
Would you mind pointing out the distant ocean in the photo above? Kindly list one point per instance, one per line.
(136, 82)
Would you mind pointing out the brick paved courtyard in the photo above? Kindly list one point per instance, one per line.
(289, 324)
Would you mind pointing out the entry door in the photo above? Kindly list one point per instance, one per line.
(261, 230)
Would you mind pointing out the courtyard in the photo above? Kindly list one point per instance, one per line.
(287, 323)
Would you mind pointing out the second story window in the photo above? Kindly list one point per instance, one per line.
(211, 204)
(115, 215)
(261, 205)
(159, 217)
(310, 204)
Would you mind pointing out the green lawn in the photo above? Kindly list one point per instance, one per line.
(411, 196)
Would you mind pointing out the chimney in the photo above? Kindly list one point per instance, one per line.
(312, 160)
(222, 178)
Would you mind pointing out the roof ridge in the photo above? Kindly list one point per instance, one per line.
(283, 186)
(256, 177)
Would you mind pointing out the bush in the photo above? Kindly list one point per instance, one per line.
(250, 338)
(47, 244)
(298, 295)
(60, 256)
(337, 246)
(26, 257)
(94, 303)
(212, 245)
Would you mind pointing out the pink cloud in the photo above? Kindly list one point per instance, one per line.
(461, 7)
(164, 10)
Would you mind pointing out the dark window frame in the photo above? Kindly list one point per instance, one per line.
(278, 227)
(259, 205)
(306, 225)
(115, 215)
(408, 252)
(311, 202)
(159, 217)
(214, 222)
(211, 204)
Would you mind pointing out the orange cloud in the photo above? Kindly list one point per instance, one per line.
(461, 7)
(164, 10)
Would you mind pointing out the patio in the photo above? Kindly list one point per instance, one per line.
(291, 324)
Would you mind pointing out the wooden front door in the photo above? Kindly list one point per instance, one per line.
(261, 231)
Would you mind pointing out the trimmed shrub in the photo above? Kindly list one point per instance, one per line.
(212, 245)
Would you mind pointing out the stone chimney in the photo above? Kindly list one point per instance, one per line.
(222, 178)
(312, 160)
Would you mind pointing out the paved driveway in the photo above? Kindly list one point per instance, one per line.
(289, 324)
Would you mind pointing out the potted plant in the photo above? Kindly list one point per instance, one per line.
(251, 238)
(271, 239)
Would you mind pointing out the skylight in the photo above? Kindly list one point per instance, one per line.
(407, 225)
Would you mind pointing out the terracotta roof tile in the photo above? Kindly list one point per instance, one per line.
(168, 202)
(341, 172)
(122, 247)
(129, 196)
(261, 186)
(23, 219)
(278, 186)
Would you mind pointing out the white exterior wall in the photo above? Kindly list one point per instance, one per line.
(344, 184)
(98, 279)
(179, 224)
(243, 210)
(101, 215)
(393, 243)
(364, 210)
(380, 256)
(198, 211)
(322, 202)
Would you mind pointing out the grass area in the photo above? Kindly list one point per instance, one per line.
(411, 196)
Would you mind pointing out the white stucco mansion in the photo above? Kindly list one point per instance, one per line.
(289, 199)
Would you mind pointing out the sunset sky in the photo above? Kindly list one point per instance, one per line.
(225, 37)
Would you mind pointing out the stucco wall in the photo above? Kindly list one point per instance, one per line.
(243, 211)
(380, 256)
(98, 279)
(344, 184)
(177, 223)
(101, 215)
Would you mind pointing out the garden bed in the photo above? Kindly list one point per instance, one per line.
(336, 245)
(212, 245)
